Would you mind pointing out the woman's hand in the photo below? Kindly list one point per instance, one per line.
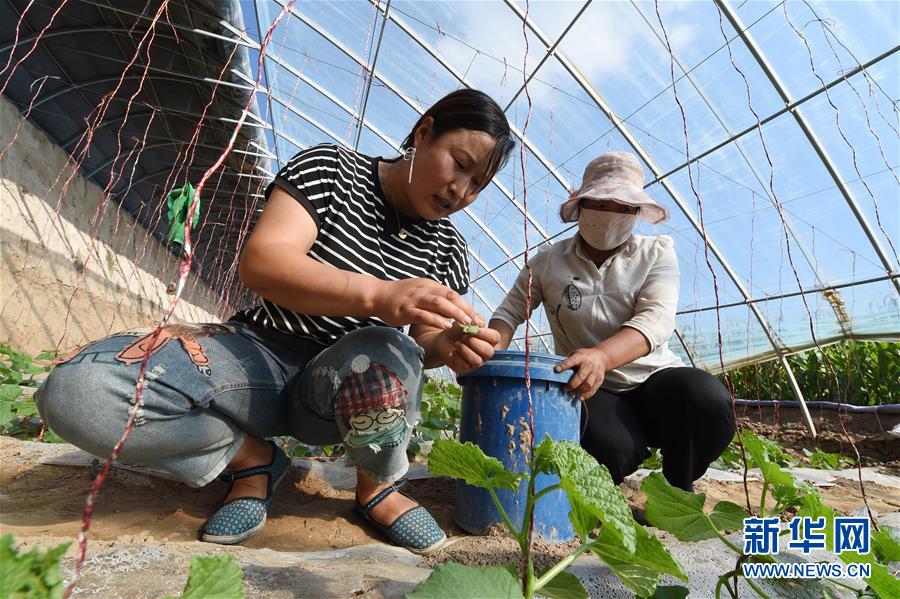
(422, 302)
(466, 352)
(590, 365)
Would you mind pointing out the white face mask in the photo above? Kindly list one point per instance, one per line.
(605, 230)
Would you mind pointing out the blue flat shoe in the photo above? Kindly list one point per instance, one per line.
(241, 518)
(414, 529)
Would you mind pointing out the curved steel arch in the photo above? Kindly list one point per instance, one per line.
(166, 144)
(629, 137)
(807, 129)
(807, 254)
(396, 90)
(123, 30)
(167, 75)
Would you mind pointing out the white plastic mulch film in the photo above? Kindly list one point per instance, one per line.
(776, 150)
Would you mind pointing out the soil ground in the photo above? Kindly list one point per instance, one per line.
(144, 528)
(869, 432)
(43, 503)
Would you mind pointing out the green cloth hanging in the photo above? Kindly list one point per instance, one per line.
(179, 202)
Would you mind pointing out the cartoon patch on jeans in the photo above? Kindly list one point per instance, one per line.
(385, 428)
(71, 354)
(187, 335)
(372, 405)
(74, 352)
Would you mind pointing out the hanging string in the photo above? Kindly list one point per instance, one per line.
(185, 267)
(827, 34)
(88, 138)
(687, 151)
(27, 112)
(362, 73)
(825, 356)
(523, 160)
(34, 45)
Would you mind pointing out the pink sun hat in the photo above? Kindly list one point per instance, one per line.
(616, 176)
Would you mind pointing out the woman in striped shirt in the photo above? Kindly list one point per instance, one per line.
(349, 249)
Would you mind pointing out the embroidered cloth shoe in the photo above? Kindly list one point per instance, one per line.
(241, 518)
(414, 529)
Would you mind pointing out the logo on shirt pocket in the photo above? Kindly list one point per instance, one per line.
(572, 297)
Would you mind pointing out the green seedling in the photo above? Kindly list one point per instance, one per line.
(470, 329)
(18, 413)
(635, 555)
(863, 373)
(213, 576)
(32, 574)
(682, 514)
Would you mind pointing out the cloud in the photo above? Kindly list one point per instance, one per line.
(609, 42)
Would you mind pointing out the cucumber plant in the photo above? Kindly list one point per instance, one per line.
(635, 555)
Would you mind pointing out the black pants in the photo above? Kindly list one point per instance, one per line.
(685, 412)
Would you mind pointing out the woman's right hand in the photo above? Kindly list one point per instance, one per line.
(421, 301)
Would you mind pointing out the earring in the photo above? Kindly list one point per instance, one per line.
(410, 154)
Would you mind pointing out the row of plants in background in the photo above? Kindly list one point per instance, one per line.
(36, 574)
(731, 457)
(20, 375)
(633, 553)
(863, 373)
(439, 414)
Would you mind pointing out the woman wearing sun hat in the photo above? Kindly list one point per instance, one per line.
(610, 298)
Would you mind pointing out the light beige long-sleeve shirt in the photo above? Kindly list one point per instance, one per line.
(636, 287)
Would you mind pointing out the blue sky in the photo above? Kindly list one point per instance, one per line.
(813, 240)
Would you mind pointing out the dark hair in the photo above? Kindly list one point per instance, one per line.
(475, 111)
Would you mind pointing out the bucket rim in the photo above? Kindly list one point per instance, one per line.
(511, 364)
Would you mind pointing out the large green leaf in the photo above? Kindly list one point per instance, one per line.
(32, 574)
(215, 576)
(681, 513)
(583, 519)
(640, 570)
(455, 581)
(728, 516)
(564, 586)
(881, 580)
(451, 458)
(7, 413)
(588, 485)
(885, 545)
(9, 392)
(669, 592)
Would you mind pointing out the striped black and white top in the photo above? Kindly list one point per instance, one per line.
(358, 232)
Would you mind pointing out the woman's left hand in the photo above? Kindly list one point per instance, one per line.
(468, 351)
(590, 365)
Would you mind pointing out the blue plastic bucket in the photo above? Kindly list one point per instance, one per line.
(495, 417)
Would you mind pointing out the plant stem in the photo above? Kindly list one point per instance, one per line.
(546, 490)
(841, 584)
(506, 521)
(525, 538)
(730, 545)
(723, 581)
(756, 588)
(560, 566)
(762, 501)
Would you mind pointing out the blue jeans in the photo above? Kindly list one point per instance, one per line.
(209, 385)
